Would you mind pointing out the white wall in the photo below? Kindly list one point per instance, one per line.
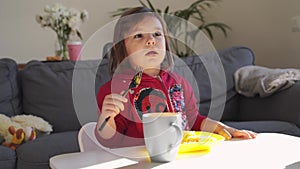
(264, 26)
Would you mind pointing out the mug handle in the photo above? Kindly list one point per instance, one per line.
(179, 133)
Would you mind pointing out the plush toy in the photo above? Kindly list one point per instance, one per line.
(21, 128)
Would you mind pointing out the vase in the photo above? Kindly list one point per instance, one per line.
(61, 48)
(74, 50)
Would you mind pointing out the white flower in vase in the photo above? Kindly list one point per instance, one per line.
(64, 22)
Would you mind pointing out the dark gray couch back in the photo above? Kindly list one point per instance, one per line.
(232, 59)
(47, 90)
(10, 102)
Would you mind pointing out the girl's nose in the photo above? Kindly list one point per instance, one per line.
(151, 42)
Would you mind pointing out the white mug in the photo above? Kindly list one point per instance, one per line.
(163, 134)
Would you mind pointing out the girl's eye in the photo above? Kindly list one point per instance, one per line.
(157, 34)
(138, 36)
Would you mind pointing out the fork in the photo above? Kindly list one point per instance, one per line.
(135, 81)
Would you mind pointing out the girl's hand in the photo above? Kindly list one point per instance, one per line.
(229, 132)
(112, 105)
(217, 127)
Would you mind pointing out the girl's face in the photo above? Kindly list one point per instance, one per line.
(145, 44)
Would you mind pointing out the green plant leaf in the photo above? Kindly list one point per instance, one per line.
(221, 26)
(151, 6)
(119, 12)
(209, 32)
(79, 34)
(142, 3)
(166, 9)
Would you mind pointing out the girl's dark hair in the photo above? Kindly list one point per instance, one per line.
(124, 24)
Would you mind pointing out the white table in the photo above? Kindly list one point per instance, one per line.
(268, 150)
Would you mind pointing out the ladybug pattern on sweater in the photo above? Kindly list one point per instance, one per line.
(149, 100)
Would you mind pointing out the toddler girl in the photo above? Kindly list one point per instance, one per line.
(141, 40)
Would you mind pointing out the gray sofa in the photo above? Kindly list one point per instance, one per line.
(44, 89)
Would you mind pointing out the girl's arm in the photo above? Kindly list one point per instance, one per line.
(108, 136)
(202, 123)
(217, 127)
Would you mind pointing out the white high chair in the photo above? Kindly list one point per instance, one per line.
(87, 139)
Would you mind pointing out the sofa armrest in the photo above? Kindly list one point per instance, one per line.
(283, 106)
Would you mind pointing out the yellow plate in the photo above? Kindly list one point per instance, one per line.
(198, 141)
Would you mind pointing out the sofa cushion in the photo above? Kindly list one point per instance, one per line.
(232, 59)
(7, 158)
(9, 90)
(282, 105)
(35, 154)
(47, 91)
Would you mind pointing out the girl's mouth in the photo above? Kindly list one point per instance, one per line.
(151, 53)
